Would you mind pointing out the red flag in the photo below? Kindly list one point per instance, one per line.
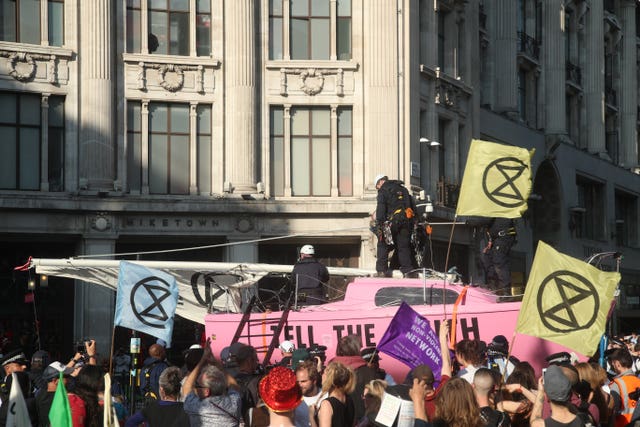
(28, 298)
(24, 267)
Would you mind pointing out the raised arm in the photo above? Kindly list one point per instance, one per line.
(444, 348)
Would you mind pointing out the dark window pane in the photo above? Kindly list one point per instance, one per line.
(8, 108)
(299, 38)
(179, 34)
(394, 296)
(133, 30)
(29, 161)
(203, 34)
(158, 164)
(179, 164)
(8, 152)
(344, 8)
(320, 38)
(8, 21)
(344, 38)
(29, 21)
(299, 8)
(56, 23)
(275, 38)
(30, 110)
(134, 161)
(158, 25)
(56, 159)
(320, 8)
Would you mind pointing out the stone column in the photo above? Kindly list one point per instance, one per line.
(381, 90)
(594, 77)
(44, 143)
(193, 148)
(505, 46)
(242, 253)
(628, 156)
(241, 118)
(97, 145)
(554, 63)
(94, 305)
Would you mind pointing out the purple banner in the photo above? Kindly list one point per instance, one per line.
(411, 340)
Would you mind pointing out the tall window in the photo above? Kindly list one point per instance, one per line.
(313, 33)
(310, 152)
(625, 228)
(276, 45)
(203, 27)
(55, 18)
(311, 170)
(56, 143)
(169, 23)
(204, 148)
(20, 21)
(20, 150)
(343, 30)
(277, 150)
(168, 27)
(345, 152)
(169, 148)
(590, 222)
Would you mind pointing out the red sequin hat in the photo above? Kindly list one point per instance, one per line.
(279, 390)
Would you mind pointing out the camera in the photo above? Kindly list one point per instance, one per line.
(81, 345)
(317, 351)
(635, 395)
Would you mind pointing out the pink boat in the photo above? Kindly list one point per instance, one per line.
(368, 307)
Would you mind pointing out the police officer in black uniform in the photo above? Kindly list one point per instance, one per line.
(310, 276)
(396, 208)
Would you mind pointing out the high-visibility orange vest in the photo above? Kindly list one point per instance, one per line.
(626, 384)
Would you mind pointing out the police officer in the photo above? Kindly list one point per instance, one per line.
(310, 276)
(395, 210)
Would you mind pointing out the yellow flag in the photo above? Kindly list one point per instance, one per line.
(496, 181)
(566, 301)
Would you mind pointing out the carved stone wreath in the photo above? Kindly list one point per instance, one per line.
(177, 83)
(22, 58)
(312, 81)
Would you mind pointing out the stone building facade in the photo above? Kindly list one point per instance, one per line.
(148, 125)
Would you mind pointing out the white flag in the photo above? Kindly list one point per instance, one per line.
(17, 415)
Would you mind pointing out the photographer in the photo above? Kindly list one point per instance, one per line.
(318, 356)
(85, 354)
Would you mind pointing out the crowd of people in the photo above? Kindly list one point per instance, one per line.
(479, 385)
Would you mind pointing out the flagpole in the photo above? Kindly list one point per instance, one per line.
(506, 362)
(446, 263)
(113, 334)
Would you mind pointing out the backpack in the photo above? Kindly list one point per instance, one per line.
(493, 418)
(148, 395)
(400, 206)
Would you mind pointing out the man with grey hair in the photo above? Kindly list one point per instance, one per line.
(208, 398)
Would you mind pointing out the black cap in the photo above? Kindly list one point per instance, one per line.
(562, 358)
(16, 356)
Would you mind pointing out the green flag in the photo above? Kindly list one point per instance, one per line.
(60, 412)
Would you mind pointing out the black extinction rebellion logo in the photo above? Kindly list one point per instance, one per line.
(151, 291)
(500, 181)
(567, 302)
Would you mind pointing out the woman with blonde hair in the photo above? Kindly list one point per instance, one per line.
(337, 410)
(372, 397)
(593, 394)
(456, 405)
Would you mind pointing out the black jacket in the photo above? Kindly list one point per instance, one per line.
(311, 274)
(393, 197)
